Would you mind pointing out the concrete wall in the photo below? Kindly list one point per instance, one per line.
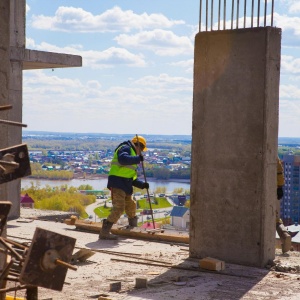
(4, 79)
(14, 58)
(234, 145)
(9, 84)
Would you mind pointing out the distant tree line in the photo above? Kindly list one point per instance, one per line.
(60, 198)
(39, 173)
(96, 145)
(163, 173)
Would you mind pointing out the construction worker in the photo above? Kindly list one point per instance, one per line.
(121, 179)
(285, 237)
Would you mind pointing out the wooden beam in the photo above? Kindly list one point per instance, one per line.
(136, 232)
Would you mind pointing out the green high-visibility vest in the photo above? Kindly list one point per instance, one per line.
(126, 171)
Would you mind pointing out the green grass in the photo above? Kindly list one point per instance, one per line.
(161, 203)
(167, 220)
(102, 212)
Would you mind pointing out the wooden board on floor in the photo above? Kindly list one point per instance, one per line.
(137, 232)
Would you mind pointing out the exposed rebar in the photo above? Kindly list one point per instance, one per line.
(252, 10)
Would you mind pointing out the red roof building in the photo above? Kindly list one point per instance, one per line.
(27, 201)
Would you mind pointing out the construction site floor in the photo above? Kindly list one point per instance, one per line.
(166, 267)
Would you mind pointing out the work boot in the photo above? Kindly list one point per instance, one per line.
(285, 238)
(133, 221)
(105, 231)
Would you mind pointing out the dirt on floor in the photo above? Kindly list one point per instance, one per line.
(139, 269)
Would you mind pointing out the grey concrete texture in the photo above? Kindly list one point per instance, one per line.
(146, 259)
(14, 58)
(234, 145)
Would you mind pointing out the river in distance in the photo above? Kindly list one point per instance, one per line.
(100, 183)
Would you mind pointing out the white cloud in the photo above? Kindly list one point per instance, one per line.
(289, 118)
(293, 6)
(72, 19)
(287, 23)
(166, 82)
(27, 8)
(161, 42)
(188, 65)
(290, 64)
(289, 92)
(151, 100)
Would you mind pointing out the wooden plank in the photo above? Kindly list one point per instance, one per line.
(136, 232)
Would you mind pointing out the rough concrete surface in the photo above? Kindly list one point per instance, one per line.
(93, 278)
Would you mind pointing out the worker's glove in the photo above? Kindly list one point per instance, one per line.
(146, 185)
(141, 157)
(279, 193)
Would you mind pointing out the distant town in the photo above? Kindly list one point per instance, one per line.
(76, 155)
(86, 155)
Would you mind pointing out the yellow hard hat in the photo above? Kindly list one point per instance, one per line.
(141, 140)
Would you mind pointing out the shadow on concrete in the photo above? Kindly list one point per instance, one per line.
(104, 244)
(187, 281)
(12, 226)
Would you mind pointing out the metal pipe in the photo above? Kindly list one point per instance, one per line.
(252, 13)
(212, 15)
(12, 123)
(65, 264)
(13, 251)
(5, 107)
(245, 12)
(200, 16)
(237, 13)
(249, 10)
(206, 21)
(224, 16)
(145, 179)
(219, 14)
(16, 244)
(11, 289)
(232, 13)
(258, 12)
(272, 13)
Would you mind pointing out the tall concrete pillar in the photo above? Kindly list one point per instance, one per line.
(4, 53)
(11, 191)
(234, 145)
(4, 81)
(14, 58)
(7, 133)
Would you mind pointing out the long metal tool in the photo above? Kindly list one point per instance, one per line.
(142, 163)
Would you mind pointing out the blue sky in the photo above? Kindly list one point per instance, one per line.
(137, 73)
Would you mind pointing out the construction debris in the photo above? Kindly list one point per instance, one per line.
(171, 276)
(82, 255)
(141, 283)
(213, 264)
(115, 286)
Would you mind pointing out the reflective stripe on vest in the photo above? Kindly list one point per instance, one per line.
(126, 171)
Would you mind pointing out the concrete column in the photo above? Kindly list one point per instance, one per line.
(4, 52)
(234, 145)
(4, 85)
(12, 135)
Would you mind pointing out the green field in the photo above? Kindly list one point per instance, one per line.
(158, 203)
(102, 212)
(155, 204)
